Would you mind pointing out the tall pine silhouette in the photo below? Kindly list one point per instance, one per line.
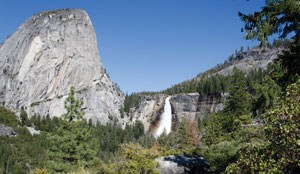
(72, 143)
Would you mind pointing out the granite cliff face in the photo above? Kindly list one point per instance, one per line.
(149, 108)
(192, 107)
(48, 54)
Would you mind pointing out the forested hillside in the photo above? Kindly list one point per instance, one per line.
(63, 145)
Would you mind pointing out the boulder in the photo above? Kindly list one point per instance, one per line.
(7, 131)
(182, 164)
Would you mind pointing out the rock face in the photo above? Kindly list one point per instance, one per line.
(248, 60)
(182, 164)
(33, 131)
(191, 106)
(194, 106)
(149, 108)
(48, 54)
(7, 131)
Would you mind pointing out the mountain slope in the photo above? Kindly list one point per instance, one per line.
(190, 99)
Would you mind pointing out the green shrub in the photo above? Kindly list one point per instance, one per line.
(245, 119)
(219, 155)
(8, 118)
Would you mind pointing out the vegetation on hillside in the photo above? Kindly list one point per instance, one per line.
(226, 132)
(281, 152)
(64, 145)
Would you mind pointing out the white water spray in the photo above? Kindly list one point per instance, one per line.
(165, 122)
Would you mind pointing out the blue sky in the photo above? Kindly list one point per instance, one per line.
(149, 45)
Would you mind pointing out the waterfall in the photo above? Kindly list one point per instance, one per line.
(165, 122)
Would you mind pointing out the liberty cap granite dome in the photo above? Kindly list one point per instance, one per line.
(48, 54)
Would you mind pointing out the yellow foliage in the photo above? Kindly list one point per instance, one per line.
(80, 171)
(106, 168)
(40, 171)
(166, 151)
(138, 159)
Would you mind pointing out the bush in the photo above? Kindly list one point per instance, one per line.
(138, 159)
(245, 119)
(40, 171)
(219, 155)
(8, 118)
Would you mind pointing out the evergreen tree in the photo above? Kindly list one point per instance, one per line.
(183, 139)
(211, 129)
(278, 17)
(72, 145)
(266, 95)
(73, 107)
(163, 139)
(24, 117)
(138, 129)
(239, 101)
(8, 118)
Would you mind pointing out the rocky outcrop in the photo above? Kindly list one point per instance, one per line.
(246, 61)
(7, 131)
(182, 164)
(33, 131)
(254, 58)
(48, 54)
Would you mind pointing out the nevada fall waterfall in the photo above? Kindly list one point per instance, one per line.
(165, 123)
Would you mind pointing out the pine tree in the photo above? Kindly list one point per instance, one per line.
(266, 95)
(211, 129)
(138, 129)
(24, 117)
(73, 107)
(183, 140)
(280, 17)
(72, 145)
(239, 102)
